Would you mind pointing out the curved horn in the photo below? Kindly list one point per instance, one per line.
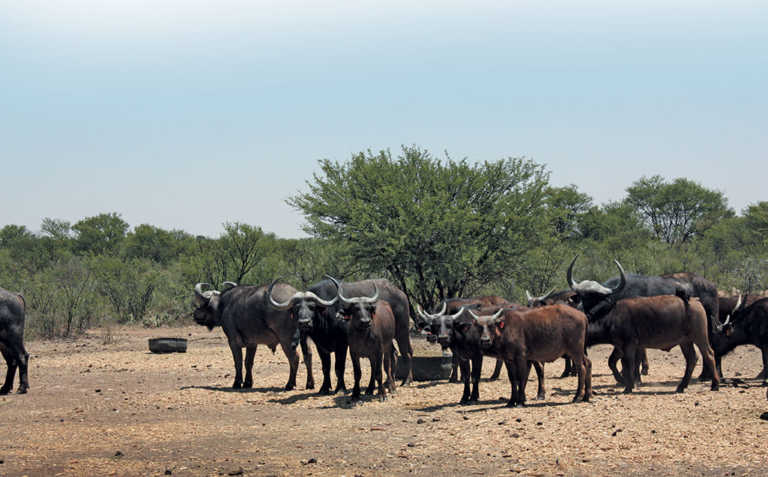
(199, 289)
(312, 296)
(280, 306)
(551, 290)
(228, 284)
(738, 304)
(569, 273)
(458, 313)
(420, 311)
(623, 282)
(528, 296)
(727, 320)
(361, 299)
(473, 315)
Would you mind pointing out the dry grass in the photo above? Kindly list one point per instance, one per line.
(91, 400)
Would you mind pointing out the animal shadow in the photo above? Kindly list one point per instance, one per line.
(230, 389)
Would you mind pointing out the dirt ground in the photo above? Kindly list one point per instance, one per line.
(116, 409)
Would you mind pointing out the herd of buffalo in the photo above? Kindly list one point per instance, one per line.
(629, 312)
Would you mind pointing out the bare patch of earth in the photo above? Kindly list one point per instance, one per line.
(116, 409)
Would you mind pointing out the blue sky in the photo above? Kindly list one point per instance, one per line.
(187, 114)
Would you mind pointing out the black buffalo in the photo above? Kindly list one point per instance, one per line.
(12, 307)
(248, 321)
(747, 325)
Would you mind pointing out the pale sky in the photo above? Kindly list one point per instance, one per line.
(187, 114)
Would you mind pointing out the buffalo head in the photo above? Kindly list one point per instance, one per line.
(359, 310)
(302, 305)
(206, 306)
(439, 324)
(489, 327)
(596, 299)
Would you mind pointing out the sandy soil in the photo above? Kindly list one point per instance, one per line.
(116, 409)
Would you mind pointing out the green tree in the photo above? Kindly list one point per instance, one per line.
(439, 228)
(128, 286)
(153, 243)
(100, 234)
(566, 206)
(679, 210)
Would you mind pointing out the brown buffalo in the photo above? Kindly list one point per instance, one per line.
(660, 322)
(523, 336)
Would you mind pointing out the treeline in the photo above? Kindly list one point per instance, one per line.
(437, 227)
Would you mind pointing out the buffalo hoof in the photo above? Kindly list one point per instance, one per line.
(383, 397)
(512, 404)
(464, 400)
(324, 390)
(715, 387)
(680, 389)
(627, 391)
(644, 371)
(290, 386)
(22, 391)
(310, 384)
(453, 379)
(237, 385)
(369, 392)
(540, 397)
(247, 384)
(4, 391)
(407, 381)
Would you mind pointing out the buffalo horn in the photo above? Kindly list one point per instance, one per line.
(623, 278)
(280, 306)
(360, 299)
(569, 274)
(528, 296)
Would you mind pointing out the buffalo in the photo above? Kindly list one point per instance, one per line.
(317, 314)
(248, 321)
(565, 297)
(522, 337)
(370, 334)
(747, 324)
(456, 332)
(12, 314)
(659, 322)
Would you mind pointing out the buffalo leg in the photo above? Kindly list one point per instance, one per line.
(542, 392)
(511, 374)
(708, 357)
(569, 369)
(454, 378)
(237, 357)
(615, 356)
(306, 352)
(477, 369)
(358, 374)
(376, 368)
(403, 339)
(250, 352)
(372, 383)
(582, 376)
(23, 360)
(341, 358)
(643, 360)
(325, 361)
(464, 365)
(11, 372)
(628, 368)
(587, 379)
(390, 368)
(764, 373)
(496, 370)
(521, 367)
(293, 360)
(690, 363)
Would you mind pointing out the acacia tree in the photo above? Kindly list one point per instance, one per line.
(440, 228)
(677, 211)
